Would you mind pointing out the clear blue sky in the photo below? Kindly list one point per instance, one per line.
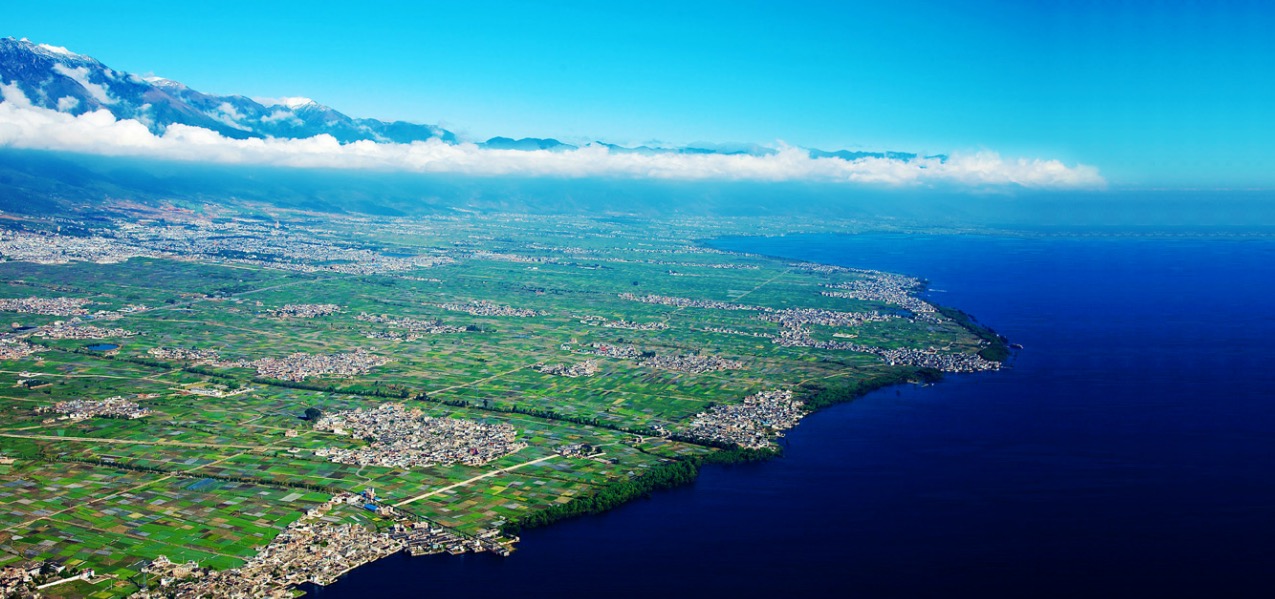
(1171, 94)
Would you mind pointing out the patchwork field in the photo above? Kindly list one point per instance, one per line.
(231, 359)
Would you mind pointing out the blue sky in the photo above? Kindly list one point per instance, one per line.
(1164, 94)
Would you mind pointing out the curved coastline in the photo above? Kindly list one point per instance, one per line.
(680, 472)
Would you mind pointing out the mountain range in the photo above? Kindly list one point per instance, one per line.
(55, 78)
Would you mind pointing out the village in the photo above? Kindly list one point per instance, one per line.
(683, 302)
(51, 306)
(924, 358)
(412, 328)
(884, 288)
(751, 424)
(83, 409)
(314, 549)
(586, 368)
(487, 308)
(400, 437)
(300, 366)
(797, 317)
(75, 330)
(305, 310)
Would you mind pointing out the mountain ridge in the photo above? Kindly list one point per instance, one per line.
(55, 78)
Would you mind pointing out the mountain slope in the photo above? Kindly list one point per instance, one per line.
(57, 79)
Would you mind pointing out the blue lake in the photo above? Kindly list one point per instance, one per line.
(1128, 451)
(102, 347)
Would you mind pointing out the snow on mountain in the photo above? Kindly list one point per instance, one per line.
(293, 102)
(56, 78)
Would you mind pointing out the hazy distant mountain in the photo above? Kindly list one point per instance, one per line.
(57, 79)
(526, 144)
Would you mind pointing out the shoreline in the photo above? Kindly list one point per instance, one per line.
(678, 471)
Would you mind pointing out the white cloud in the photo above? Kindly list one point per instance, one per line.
(280, 115)
(230, 116)
(25, 126)
(68, 103)
(81, 76)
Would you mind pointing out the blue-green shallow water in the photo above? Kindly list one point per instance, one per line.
(1129, 451)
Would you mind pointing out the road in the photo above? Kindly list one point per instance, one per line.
(476, 478)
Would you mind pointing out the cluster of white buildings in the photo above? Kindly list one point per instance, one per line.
(308, 550)
(611, 350)
(412, 328)
(82, 409)
(61, 249)
(691, 363)
(49, 306)
(750, 424)
(488, 308)
(885, 288)
(13, 349)
(302, 249)
(634, 326)
(685, 302)
(586, 368)
(925, 358)
(188, 355)
(399, 437)
(300, 366)
(305, 310)
(74, 330)
(797, 317)
(729, 331)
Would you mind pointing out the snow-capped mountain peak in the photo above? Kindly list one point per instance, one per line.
(56, 78)
(287, 102)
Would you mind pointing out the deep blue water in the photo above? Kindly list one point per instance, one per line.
(1129, 451)
(102, 347)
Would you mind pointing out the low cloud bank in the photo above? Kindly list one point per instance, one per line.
(25, 126)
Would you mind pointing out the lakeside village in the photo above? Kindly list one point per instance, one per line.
(315, 549)
(318, 549)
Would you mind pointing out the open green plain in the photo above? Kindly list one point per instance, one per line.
(213, 479)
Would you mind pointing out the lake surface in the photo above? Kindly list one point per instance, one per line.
(1129, 450)
(102, 347)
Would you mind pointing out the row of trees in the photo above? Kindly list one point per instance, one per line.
(822, 395)
(610, 495)
(133, 467)
(544, 413)
(998, 346)
(675, 473)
